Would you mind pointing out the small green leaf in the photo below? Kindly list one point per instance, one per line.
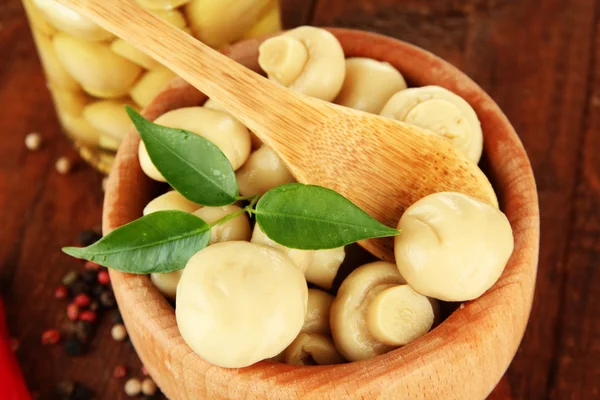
(163, 241)
(191, 164)
(312, 217)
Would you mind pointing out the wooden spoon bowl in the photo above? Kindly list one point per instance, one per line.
(462, 358)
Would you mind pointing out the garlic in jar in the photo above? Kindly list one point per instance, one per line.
(56, 74)
(130, 52)
(99, 70)
(452, 247)
(66, 20)
(150, 84)
(109, 117)
(239, 303)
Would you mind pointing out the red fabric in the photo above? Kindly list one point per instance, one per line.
(12, 384)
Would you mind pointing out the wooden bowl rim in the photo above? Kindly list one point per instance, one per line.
(477, 342)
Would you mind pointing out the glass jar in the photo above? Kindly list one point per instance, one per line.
(92, 74)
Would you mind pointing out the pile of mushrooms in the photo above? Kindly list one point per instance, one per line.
(245, 298)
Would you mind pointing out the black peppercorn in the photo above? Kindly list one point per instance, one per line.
(89, 276)
(74, 347)
(107, 298)
(83, 330)
(82, 392)
(79, 287)
(95, 306)
(97, 290)
(65, 389)
(89, 237)
(116, 318)
(70, 278)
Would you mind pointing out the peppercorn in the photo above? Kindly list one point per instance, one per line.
(82, 300)
(70, 278)
(33, 141)
(103, 277)
(119, 372)
(73, 311)
(89, 276)
(107, 298)
(63, 165)
(88, 237)
(133, 387)
(82, 392)
(91, 266)
(118, 332)
(50, 337)
(83, 330)
(148, 387)
(94, 306)
(88, 315)
(74, 347)
(65, 389)
(144, 371)
(116, 317)
(79, 287)
(61, 292)
(97, 290)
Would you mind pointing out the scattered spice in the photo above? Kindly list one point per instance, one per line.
(90, 265)
(88, 315)
(107, 299)
(79, 286)
(50, 337)
(63, 165)
(118, 332)
(94, 306)
(82, 392)
(61, 292)
(82, 300)
(83, 330)
(73, 312)
(144, 371)
(103, 277)
(133, 387)
(33, 141)
(74, 347)
(116, 317)
(14, 344)
(65, 389)
(149, 387)
(70, 278)
(119, 372)
(89, 276)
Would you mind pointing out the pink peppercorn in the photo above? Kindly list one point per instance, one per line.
(119, 372)
(89, 316)
(103, 277)
(50, 336)
(61, 292)
(92, 265)
(144, 371)
(73, 311)
(82, 300)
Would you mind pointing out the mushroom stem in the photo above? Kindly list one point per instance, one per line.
(283, 58)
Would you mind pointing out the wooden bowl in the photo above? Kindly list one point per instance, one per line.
(463, 358)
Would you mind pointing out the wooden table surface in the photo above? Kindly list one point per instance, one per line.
(540, 61)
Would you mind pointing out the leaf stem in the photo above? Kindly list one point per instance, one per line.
(227, 218)
(244, 198)
(250, 207)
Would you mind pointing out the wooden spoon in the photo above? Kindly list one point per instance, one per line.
(381, 165)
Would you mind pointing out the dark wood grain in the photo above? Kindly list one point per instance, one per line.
(538, 59)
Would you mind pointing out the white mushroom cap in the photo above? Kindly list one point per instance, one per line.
(239, 303)
(442, 112)
(263, 171)
(224, 131)
(237, 228)
(172, 200)
(312, 348)
(319, 266)
(308, 60)
(452, 247)
(317, 312)
(167, 283)
(369, 84)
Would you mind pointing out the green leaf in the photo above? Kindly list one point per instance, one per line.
(191, 164)
(163, 241)
(311, 217)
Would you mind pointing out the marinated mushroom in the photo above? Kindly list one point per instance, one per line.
(319, 266)
(218, 23)
(263, 171)
(374, 303)
(109, 117)
(239, 303)
(317, 312)
(237, 228)
(442, 112)
(67, 20)
(108, 142)
(220, 128)
(307, 60)
(172, 200)
(369, 84)
(150, 84)
(215, 105)
(100, 71)
(452, 247)
(166, 283)
(312, 349)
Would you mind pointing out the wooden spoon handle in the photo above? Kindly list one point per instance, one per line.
(254, 100)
